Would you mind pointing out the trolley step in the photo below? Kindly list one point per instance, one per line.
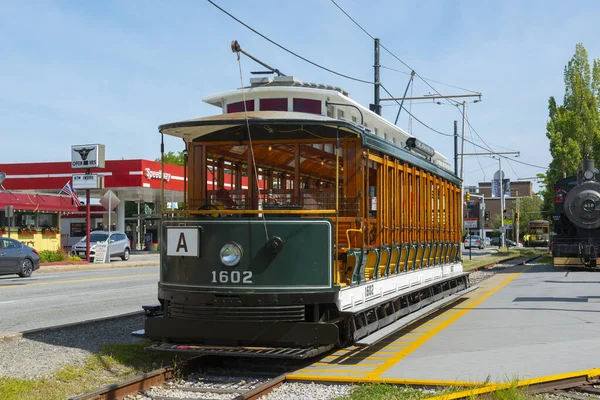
(242, 351)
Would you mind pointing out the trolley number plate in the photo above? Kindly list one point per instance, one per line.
(232, 277)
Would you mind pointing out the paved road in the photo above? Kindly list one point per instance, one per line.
(51, 299)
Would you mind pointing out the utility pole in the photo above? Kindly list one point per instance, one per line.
(515, 222)
(492, 154)
(377, 102)
(429, 97)
(462, 147)
(456, 147)
(501, 203)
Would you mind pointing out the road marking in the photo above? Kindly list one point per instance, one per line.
(76, 280)
(7, 302)
(465, 308)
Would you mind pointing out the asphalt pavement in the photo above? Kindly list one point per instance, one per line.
(56, 298)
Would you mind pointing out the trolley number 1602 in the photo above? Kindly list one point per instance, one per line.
(232, 277)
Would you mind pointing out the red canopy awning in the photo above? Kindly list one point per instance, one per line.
(22, 201)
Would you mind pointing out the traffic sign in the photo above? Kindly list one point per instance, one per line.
(470, 223)
(110, 200)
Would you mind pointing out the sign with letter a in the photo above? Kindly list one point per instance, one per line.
(183, 242)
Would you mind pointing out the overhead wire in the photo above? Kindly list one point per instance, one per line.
(288, 50)
(369, 82)
(431, 80)
(478, 160)
(451, 101)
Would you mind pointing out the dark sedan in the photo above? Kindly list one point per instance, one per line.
(17, 258)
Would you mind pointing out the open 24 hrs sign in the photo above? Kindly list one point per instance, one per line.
(183, 241)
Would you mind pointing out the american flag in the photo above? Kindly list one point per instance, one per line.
(67, 189)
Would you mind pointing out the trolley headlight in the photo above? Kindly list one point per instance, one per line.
(231, 254)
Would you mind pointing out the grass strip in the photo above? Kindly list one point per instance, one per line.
(114, 363)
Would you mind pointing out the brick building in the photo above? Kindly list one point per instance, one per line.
(518, 189)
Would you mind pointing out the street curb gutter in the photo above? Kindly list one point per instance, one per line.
(490, 265)
(20, 335)
(88, 267)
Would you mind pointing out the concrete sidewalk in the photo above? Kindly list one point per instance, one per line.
(141, 259)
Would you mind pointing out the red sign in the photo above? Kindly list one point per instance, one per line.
(117, 174)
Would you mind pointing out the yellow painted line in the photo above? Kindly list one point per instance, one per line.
(357, 358)
(344, 365)
(420, 341)
(77, 280)
(390, 381)
(345, 371)
(589, 373)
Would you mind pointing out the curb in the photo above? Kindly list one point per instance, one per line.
(486, 266)
(19, 335)
(92, 266)
(50, 264)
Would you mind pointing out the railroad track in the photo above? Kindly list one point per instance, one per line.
(202, 377)
(209, 377)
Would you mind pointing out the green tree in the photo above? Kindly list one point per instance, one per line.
(173, 158)
(573, 126)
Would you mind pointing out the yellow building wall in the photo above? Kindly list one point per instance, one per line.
(37, 241)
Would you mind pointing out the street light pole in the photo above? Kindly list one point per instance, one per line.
(501, 203)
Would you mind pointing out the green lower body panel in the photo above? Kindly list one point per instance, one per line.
(247, 333)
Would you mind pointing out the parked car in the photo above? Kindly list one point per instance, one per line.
(512, 243)
(474, 241)
(17, 258)
(495, 241)
(119, 244)
(487, 241)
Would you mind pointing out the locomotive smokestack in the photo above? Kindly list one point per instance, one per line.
(588, 170)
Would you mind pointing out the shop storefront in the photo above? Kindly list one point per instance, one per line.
(37, 218)
(137, 181)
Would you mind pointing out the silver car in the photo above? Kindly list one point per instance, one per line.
(17, 258)
(119, 245)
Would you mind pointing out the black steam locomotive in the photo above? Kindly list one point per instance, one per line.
(577, 218)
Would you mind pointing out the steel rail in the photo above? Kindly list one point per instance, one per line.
(140, 382)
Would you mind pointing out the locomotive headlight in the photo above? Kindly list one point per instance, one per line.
(231, 254)
(588, 174)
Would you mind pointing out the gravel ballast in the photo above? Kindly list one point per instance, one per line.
(39, 354)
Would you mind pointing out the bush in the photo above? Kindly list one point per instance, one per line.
(74, 258)
(52, 256)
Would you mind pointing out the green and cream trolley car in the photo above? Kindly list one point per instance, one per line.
(309, 222)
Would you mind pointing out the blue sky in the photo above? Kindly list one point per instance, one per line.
(110, 72)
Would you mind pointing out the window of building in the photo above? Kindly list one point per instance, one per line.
(239, 106)
(307, 106)
(47, 220)
(353, 118)
(273, 104)
(340, 114)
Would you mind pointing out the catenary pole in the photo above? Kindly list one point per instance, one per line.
(377, 67)
(455, 147)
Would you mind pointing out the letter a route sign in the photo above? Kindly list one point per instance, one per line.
(183, 241)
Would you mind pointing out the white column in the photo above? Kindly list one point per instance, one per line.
(121, 216)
